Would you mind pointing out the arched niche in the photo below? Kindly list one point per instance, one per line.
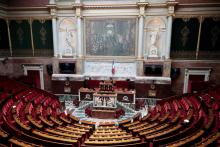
(154, 37)
(67, 37)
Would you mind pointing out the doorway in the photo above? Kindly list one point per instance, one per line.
(193, 76)
(35, 72)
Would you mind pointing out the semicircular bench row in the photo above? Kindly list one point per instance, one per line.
(32, 117)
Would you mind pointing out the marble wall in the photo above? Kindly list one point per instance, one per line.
(122, 69)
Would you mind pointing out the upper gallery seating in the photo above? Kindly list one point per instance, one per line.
(32, 117)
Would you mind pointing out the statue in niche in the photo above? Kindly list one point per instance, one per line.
(153, 49)
(69, 48)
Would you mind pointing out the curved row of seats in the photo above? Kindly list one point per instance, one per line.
(32, 117)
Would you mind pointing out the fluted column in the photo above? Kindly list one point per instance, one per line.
(141, 5)
(170, 9)
(169, 35)
(54, 26)
(52, 7)
(140, 36)
(78, 6)
(79, 36)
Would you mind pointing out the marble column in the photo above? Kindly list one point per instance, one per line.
(169, 34)
(140, 36)
(54, 26)
(79, 36)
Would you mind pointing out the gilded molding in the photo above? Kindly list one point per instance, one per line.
(197, 16)
(10, 9)
(32, 40)
(172, 3)
(35, 17)
(9, 37)
(199, 5)
(157, 5)
(101, 6)
(199, 36)
(77, 5)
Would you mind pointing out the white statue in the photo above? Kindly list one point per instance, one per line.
(153, 50)
(69, 48)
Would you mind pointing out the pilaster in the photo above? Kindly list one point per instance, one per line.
(78, 7)
(141, 6)
(171, 12)
(53, 13)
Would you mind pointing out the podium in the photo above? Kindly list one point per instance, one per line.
(104, 113)
(104, 100)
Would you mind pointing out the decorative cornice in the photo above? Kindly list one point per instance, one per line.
(26, 17)
(195, 61)
(77, 5)
(172, 3)
(157, 5)
(25, 8)
(142, 4)
(110, 6)
(52, 6)
(199, 5)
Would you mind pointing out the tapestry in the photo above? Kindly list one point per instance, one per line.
(20, 37)
(184, 37)
(42, 37)
(4, 43)
(210, 38)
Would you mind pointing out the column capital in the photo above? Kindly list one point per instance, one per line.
(171, 7)
(142, 6)
(53, 9)
(78, 7)
(172, 3)
(141, 15)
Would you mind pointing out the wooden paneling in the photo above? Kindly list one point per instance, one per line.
(162, 90)
(58, 86)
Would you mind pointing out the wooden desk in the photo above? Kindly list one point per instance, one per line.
(104, 114)
(123, 95)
